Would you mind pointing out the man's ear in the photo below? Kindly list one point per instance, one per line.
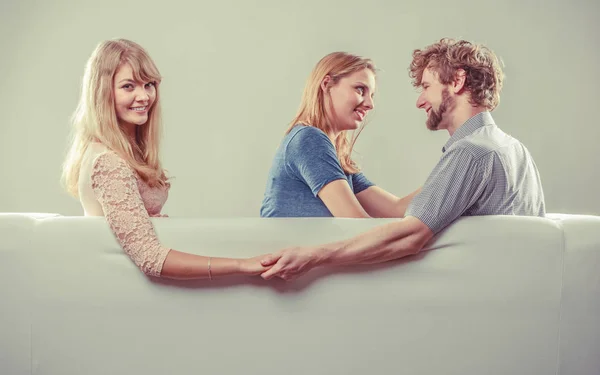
(325, 83)
(459, 81)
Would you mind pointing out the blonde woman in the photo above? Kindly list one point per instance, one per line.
(113, 165)
(313, 174)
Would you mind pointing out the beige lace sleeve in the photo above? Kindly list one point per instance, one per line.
(115, 187)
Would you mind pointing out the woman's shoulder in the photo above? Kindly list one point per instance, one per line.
(99, 157)
(302, 135)
(99, 163)
(306, 130)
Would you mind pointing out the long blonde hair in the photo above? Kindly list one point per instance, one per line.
(95, 119)
(312, 105)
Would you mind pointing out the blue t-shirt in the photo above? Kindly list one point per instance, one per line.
(305, 161)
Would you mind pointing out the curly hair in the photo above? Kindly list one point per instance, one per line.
(484, 76)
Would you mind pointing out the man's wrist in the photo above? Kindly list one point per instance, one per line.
(326, 254)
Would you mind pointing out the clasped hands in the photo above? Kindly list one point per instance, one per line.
(286, 264)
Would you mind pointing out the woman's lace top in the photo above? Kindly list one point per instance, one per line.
(128, 203)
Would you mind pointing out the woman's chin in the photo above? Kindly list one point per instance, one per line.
(355, 125)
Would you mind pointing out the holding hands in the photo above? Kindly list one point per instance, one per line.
(287, 264)
(290, 263)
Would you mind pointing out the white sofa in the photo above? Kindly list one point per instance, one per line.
(491, 295)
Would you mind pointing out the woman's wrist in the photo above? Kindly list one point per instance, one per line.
(239, 267)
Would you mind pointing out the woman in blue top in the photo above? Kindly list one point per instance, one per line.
(313, 174)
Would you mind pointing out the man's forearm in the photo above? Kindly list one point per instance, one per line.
(383, 243)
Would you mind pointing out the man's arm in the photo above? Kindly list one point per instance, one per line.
(380, 244)
(453, 186)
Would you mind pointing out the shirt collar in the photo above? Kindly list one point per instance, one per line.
(479, 120)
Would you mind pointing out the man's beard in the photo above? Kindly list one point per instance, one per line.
(436, 117)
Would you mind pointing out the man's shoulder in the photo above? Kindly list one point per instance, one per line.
(485, 142)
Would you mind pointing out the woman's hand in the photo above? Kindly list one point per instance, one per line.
(252, 266)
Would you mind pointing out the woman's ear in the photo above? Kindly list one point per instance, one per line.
(325, 83)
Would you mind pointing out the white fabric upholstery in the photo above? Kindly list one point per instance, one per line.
(491, 295)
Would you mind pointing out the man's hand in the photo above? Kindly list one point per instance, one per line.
(290, 263)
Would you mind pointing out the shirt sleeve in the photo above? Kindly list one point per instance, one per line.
(310, 156)
(454, 185)
(115, 187)
(360, 182)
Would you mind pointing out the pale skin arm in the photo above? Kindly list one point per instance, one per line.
(341, 201)
(371, 202)
(185, 266)
(378, 202)
(380, 244)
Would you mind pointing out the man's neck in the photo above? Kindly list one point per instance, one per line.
(460, 115)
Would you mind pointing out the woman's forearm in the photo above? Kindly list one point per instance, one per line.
(402, 205)
(185, 266)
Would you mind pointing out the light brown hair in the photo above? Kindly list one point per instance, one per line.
(312, 105)
(484, 76)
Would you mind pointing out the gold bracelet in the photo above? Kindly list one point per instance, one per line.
(209, 274)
